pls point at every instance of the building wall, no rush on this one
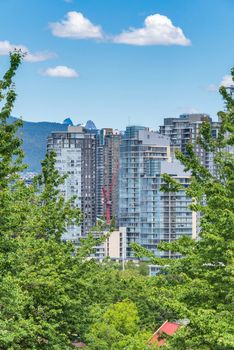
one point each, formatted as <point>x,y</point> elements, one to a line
<point>114,246</point>
<point>76,157</point>
<point>108,148</point>
<point>178,219</point>
<point>149,215</point>
<point>141,153</point>
<point>186,129</point>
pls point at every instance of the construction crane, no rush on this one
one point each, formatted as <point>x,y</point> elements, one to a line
<point>107,194</point>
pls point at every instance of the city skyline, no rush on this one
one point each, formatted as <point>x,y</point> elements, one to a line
<point>132,63</point>
<point>118,176</point>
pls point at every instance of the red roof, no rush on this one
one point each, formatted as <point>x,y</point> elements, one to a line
<point>168,328</point>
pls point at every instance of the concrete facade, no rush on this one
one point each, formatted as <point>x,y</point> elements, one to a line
<point>149,215</point>
<point>108,153</point>
<point>185,129</point>
<point>76,157</point>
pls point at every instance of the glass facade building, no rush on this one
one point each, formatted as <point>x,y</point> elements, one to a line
<point>186,129</point>
<point>107,160</point>
<point>76,156</point>
<point>149,215</point>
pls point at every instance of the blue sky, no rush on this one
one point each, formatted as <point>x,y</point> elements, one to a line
<point>119,62</point>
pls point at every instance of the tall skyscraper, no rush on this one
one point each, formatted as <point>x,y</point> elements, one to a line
<point>119,176</point>
<point>76,156</point>
<point>149,215</point>
<point>185,129</point>
<point>176,219</point>
<point>108,151</point>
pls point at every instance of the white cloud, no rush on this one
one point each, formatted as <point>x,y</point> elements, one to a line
<point>76,26</point>
<point>157,30</point>
<point>6,47</point>
<point>227,81</point>
<point>61,72</point>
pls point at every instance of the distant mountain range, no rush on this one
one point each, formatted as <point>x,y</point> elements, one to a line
<point>34,137</point>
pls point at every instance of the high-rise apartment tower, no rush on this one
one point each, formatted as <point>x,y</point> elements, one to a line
<point>76,156</point>
<point>149,215</point>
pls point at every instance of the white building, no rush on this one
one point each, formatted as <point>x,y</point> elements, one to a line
<point>76,156</point>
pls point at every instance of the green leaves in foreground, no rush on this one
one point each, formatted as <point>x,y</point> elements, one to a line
<point>118,328</point>
<point>199,286</point>
<point>50,295</point>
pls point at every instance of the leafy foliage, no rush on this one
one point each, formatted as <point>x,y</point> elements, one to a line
<point>118,328</point>
<point>10,153</point>
<point>48,289</point>
<point>199,286</point>
<point>41,276</point>
<point>51,294</point>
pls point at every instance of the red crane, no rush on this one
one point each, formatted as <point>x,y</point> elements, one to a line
<point>107,192</point>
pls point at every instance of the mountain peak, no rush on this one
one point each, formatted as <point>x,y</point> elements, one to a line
<point>68,121</point>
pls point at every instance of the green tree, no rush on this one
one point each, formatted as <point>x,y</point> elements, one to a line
<point>44,283</point>
<point>118,328</point>
<point>141,267</point>
<point>199,286</point>
<point>111,286</point>
<point>11,154</point>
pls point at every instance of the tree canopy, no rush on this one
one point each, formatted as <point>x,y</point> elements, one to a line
<point>52,295</point>
<point>48,289</point>
<point>118,328</point>
<point>199,286</point>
